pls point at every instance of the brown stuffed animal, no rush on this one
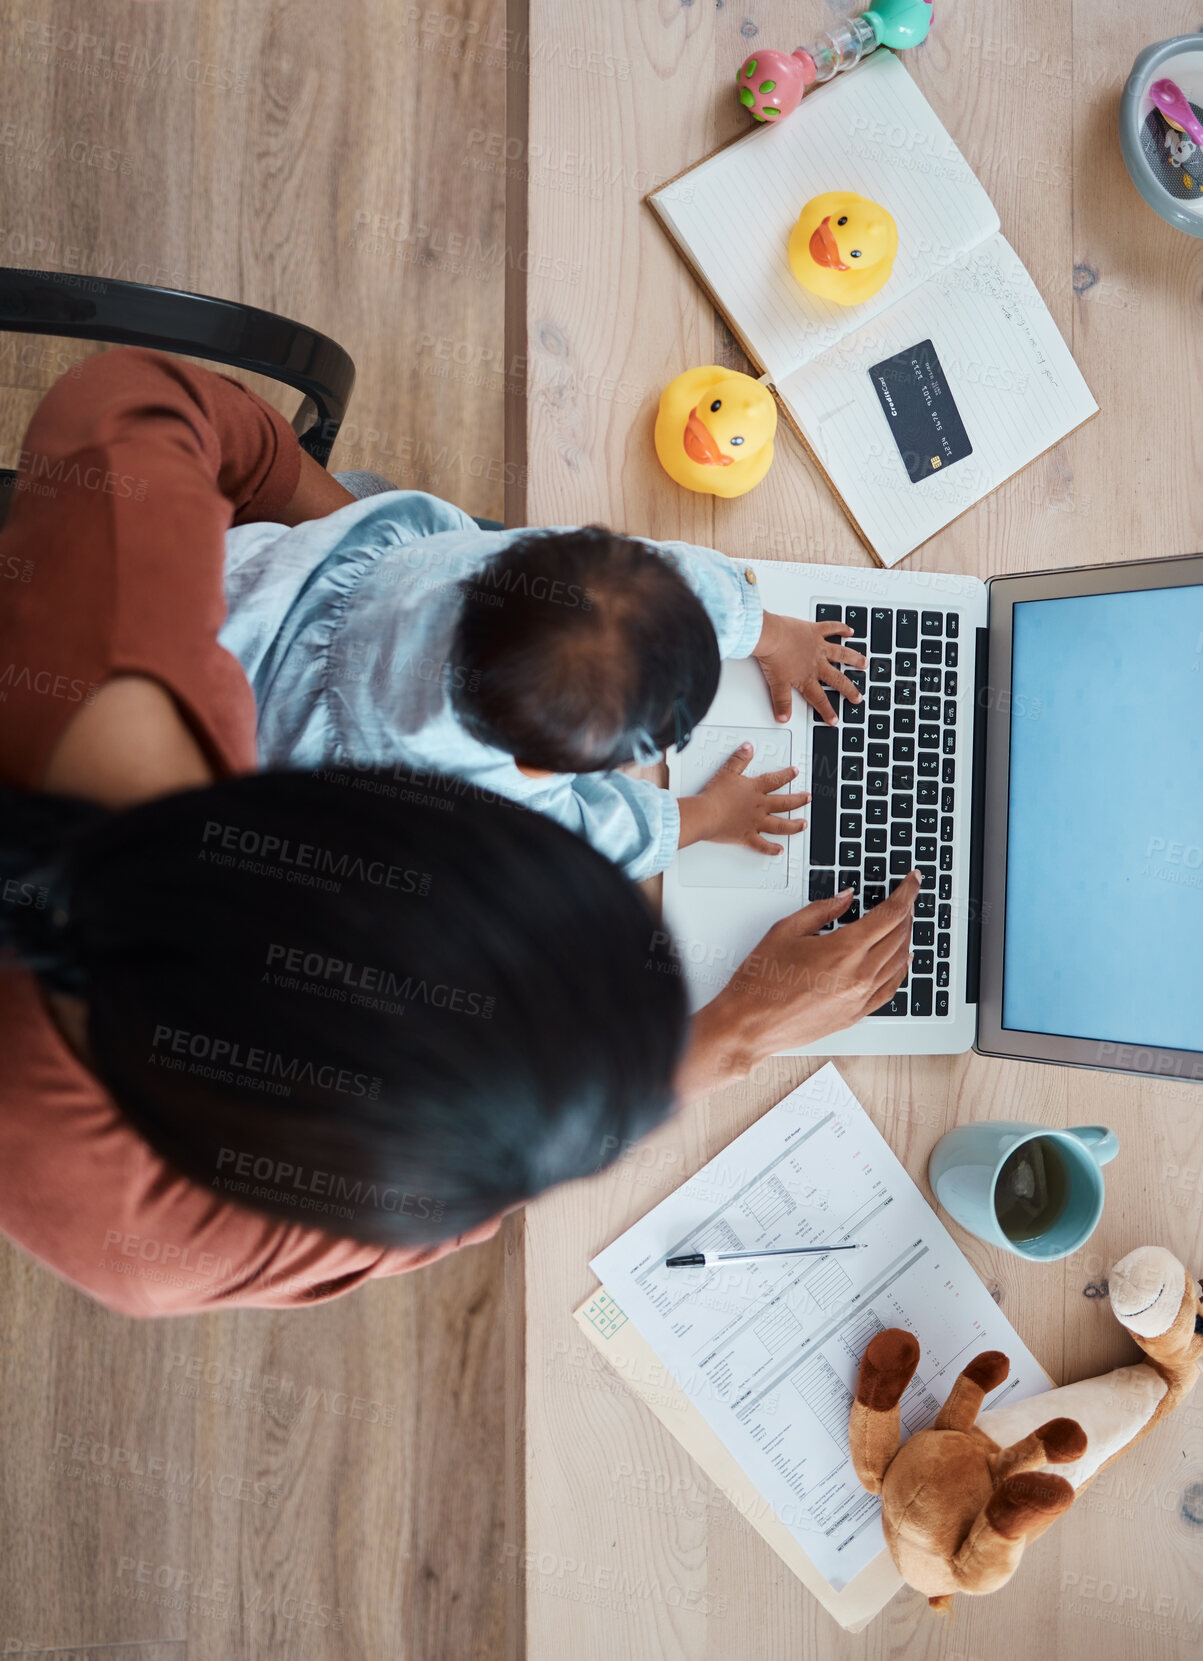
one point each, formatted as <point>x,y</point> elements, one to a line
<point>961,1500</point>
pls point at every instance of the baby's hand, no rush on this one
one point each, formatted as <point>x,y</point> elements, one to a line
<point>794,653</point>
<point>735,808</point>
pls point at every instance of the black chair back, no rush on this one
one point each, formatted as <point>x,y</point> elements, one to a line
<point>195,325</point>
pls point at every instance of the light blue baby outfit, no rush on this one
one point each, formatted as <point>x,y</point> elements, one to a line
<point>345,627</point>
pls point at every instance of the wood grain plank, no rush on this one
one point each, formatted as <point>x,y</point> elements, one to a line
<point>330,1482</point>
<point>1030,91</point>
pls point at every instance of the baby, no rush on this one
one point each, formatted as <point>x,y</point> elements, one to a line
<point>535,664</point>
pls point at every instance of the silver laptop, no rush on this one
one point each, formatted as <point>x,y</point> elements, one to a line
<point>1034,745</point>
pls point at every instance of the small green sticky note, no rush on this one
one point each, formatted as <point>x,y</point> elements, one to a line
<point>604,1314</point>
<point>768,86</point>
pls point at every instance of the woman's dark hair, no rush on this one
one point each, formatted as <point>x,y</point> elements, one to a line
<point>579,650</point>
<point>385,1017</point>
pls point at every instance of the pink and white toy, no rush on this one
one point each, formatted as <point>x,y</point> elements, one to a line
<point>771,84</point>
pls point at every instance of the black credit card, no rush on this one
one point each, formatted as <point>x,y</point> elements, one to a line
<point>912,389</point>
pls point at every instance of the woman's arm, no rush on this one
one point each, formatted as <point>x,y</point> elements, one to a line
<point>317,494</point>
<point>132,469</point>
<point>129,744</point>
<point>799,986</point>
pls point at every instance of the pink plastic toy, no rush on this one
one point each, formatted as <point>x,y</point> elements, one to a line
<point>771,84</point>
<point>1169,98</point>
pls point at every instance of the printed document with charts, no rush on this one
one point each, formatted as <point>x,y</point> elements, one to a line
<point>765,1354</point>
<point>920,401</point>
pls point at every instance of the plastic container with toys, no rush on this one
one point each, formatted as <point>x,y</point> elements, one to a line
<point>1161,129</point>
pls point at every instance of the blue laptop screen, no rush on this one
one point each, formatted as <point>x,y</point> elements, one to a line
<point>1104,923</point>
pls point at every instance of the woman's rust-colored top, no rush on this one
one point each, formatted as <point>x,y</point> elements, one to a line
<point>133,468</point>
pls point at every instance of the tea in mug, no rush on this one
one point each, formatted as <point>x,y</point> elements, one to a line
<point>1030,1193</point>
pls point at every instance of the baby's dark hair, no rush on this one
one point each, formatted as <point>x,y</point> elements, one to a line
<point>580,650</point>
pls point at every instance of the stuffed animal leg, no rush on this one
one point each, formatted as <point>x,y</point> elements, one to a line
<point>1158,1301</point>
<point>957,1510</point>
<point>961,1500</point>
<point>875,1430</point>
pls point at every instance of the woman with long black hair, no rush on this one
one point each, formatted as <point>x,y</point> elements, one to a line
<point>266,1035</point>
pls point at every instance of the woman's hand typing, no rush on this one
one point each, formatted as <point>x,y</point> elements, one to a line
<point>799,986</point>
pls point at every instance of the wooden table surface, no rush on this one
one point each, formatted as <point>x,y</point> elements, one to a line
<point>617,1546</point>
<point>334,1476</point>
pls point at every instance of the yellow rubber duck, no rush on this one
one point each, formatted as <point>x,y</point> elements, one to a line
<point>843,247</point>
<point>714,431</point>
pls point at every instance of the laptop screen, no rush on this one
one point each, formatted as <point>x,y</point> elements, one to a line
<point>1104,908</point>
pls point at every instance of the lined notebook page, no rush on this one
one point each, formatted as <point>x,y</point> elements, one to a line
<point>1016,387</point>
<point>870,131</point>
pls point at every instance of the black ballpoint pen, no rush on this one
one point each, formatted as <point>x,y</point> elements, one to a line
<point>704,1260</point>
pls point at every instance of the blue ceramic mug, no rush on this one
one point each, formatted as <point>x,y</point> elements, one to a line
<point>966,1163</point>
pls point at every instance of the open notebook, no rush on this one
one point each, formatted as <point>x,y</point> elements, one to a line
<point>920,401</point>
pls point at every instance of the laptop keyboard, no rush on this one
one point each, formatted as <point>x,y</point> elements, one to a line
<point>884,784</point>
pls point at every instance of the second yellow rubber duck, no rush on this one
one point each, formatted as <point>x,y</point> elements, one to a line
<point>843,247</point>
<point>714,430</point>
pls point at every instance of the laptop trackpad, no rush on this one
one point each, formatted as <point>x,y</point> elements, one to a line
<point>718,864</point>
